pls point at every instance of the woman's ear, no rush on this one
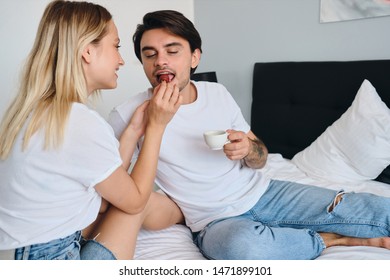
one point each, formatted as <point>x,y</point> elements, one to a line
<point>195,58</point>
<point>87,54</point>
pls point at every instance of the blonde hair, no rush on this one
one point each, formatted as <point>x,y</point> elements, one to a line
<point>53,77</point>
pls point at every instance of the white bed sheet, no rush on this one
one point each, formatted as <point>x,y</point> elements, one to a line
<point>175,242</point>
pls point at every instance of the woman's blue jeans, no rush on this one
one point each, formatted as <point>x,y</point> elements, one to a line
<point>67,248</point>
<point>72,247</point>
<point>285,222</point>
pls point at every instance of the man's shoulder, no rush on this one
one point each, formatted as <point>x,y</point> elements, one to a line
<point>212,90</point>
<point>121,114</point>
<point>128,106</point>
<point>206,84</point>
<point>206,87</point>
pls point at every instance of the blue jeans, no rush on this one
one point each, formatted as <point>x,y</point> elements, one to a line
<point>71,247</point>
<point>67,248</point>
<point>285,222</point>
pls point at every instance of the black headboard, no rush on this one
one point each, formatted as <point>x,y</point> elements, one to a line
<point>294,102</point>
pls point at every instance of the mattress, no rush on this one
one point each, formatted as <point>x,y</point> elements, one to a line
<point>175,242</point>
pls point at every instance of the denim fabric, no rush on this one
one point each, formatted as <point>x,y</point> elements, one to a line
<point>93,250</point>
<point>285,222</point>
<point>72,247</point>
<point>67,248</point>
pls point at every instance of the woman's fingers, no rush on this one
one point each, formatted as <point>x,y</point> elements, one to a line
<point>165,102</point>
<point>167,95</point>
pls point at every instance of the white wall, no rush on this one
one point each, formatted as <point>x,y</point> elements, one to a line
<point>18,24</point>
<point>238,33</point>
<point>235,33</point>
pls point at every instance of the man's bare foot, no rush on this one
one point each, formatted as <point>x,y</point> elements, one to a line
<point>332,239</point>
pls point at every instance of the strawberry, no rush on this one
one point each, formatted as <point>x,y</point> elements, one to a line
<point>164,77</point>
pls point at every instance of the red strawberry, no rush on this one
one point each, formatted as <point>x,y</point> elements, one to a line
<point>164,77</point>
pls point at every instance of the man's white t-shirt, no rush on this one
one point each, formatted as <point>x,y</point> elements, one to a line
<point>204,183</point>
<point>50,194</point>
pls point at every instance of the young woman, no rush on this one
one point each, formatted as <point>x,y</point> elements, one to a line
<point>60,161</point>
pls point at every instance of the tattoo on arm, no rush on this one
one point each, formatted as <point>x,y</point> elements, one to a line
<point>257,155</point>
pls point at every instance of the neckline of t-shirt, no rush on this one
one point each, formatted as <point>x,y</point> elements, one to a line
<point>198,101</point>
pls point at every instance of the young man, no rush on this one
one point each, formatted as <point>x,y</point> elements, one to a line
<point>233,210</point>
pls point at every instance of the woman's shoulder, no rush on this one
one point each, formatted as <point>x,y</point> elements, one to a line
<point>83,118</point>
<point>84,113</point>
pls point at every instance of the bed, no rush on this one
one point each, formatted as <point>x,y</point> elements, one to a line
<point>324,123</point>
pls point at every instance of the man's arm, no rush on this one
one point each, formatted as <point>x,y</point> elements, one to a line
<point>258,153</point>
<point>247,148</point>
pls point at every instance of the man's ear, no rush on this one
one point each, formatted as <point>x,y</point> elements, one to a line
<point>86,55</point>
<point>195,58</point>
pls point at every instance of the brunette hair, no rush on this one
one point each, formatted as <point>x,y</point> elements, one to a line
<point>174,22</point>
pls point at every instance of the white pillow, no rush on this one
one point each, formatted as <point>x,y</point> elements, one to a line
<point>355,147</point>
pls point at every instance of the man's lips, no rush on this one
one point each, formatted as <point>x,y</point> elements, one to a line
<point>167,77</point>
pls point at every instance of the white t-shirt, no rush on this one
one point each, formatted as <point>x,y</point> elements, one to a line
<point>50,194</point>
<point>204,183</point>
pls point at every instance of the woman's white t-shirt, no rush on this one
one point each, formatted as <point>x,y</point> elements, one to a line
<point>204,183</point>
<point>50,194</point>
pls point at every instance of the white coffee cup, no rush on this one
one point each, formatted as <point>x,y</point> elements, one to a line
<point>216,139</point>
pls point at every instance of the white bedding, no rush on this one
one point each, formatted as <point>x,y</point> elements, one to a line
<point>175,243</point>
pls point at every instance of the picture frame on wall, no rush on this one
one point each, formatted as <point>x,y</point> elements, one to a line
<point>341,10</point>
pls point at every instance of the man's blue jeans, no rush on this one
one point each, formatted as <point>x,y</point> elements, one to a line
<point>285,222</point>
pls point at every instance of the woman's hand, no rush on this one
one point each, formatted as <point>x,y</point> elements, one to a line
<point>138,121</point>
<point>164,104</point>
